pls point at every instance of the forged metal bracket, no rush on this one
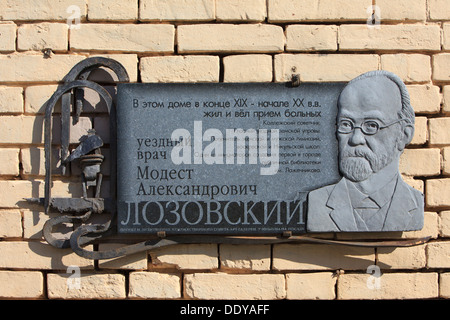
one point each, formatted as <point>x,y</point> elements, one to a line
<point>48,126</point>
<point>82,71</point>
<point>79,210</point>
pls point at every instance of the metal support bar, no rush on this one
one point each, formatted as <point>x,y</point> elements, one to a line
<point>47,230</point>
<point>296,80</point>
<point>77,236</point>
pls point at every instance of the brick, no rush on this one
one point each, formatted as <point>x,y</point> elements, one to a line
<point>10,223</point>
<point>101,10</point>
<point>19,129</point>
<point>420,162</point>
<point>402,10</point>
<point>438,254</point>
<point>136,261</point>
<point>40,9</point>
<point>248,68</point>
<point>446,160</point>
<point>446,99</point>
<point>323,67</point>
<point>245,257</point>
<point>128,61</point>
<point>311,286</point>
<point>44,35</point>
<point>29,129</point>
<point>317,10</point>
<point>11,100</point>
<point>180,69</point>
<point>390,37</point>
<point>9,161</point>
<point>64,189</point>
<point>92,286</point>
<point>437,191</point>
<point>39,255</point>
<point>410,68</point>
<point>232,286</point>
<point>444,223</point>
<point>13,192</point>
<point>36,98</point>
<point>7,36</point>
<point>33,67</point>
<point>392,286</point>
<point>124,37</point>
<point>444,285</point>
<point>438,10</point>
<point>439,133</point>
<point>80,129</point>
<point>238,10</point>
<point>202,256</point>
<point>420,131</point>
<point>26,129</point>
<point>446,36</point>
<point>154,285</point>
<point>33,223</point>
<point>425,98</point>
<point>222,38</point>
<point>176,10</point>
<point>430,228</point>
<point>414,183</point>
<point>402,258</point>
<point>441,67</point>
<point>21,284</point>
<point>311,38</point>
<point>321,257</point>
<point>33,161</point>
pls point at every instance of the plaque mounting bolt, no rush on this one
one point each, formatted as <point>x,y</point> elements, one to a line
<point>47,53</point>
<point>287,234</point>
<point>295,81</point>
<point>161,234</point>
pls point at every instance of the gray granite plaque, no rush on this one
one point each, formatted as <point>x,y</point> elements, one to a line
<point>223,158</point>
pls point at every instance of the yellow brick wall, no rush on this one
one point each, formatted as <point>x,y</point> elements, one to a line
<point>222,41</point>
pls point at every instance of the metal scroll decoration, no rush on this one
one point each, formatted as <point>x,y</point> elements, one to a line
<point>79,210</point>
<point>89,151</point>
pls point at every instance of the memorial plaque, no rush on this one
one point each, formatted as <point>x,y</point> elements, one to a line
<point>238,159</point>
<point>223,158</point>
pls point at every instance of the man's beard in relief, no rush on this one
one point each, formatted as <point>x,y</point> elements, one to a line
<point>359,163</point>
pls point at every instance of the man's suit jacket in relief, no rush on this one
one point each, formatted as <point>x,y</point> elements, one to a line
<point>394,207</point>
